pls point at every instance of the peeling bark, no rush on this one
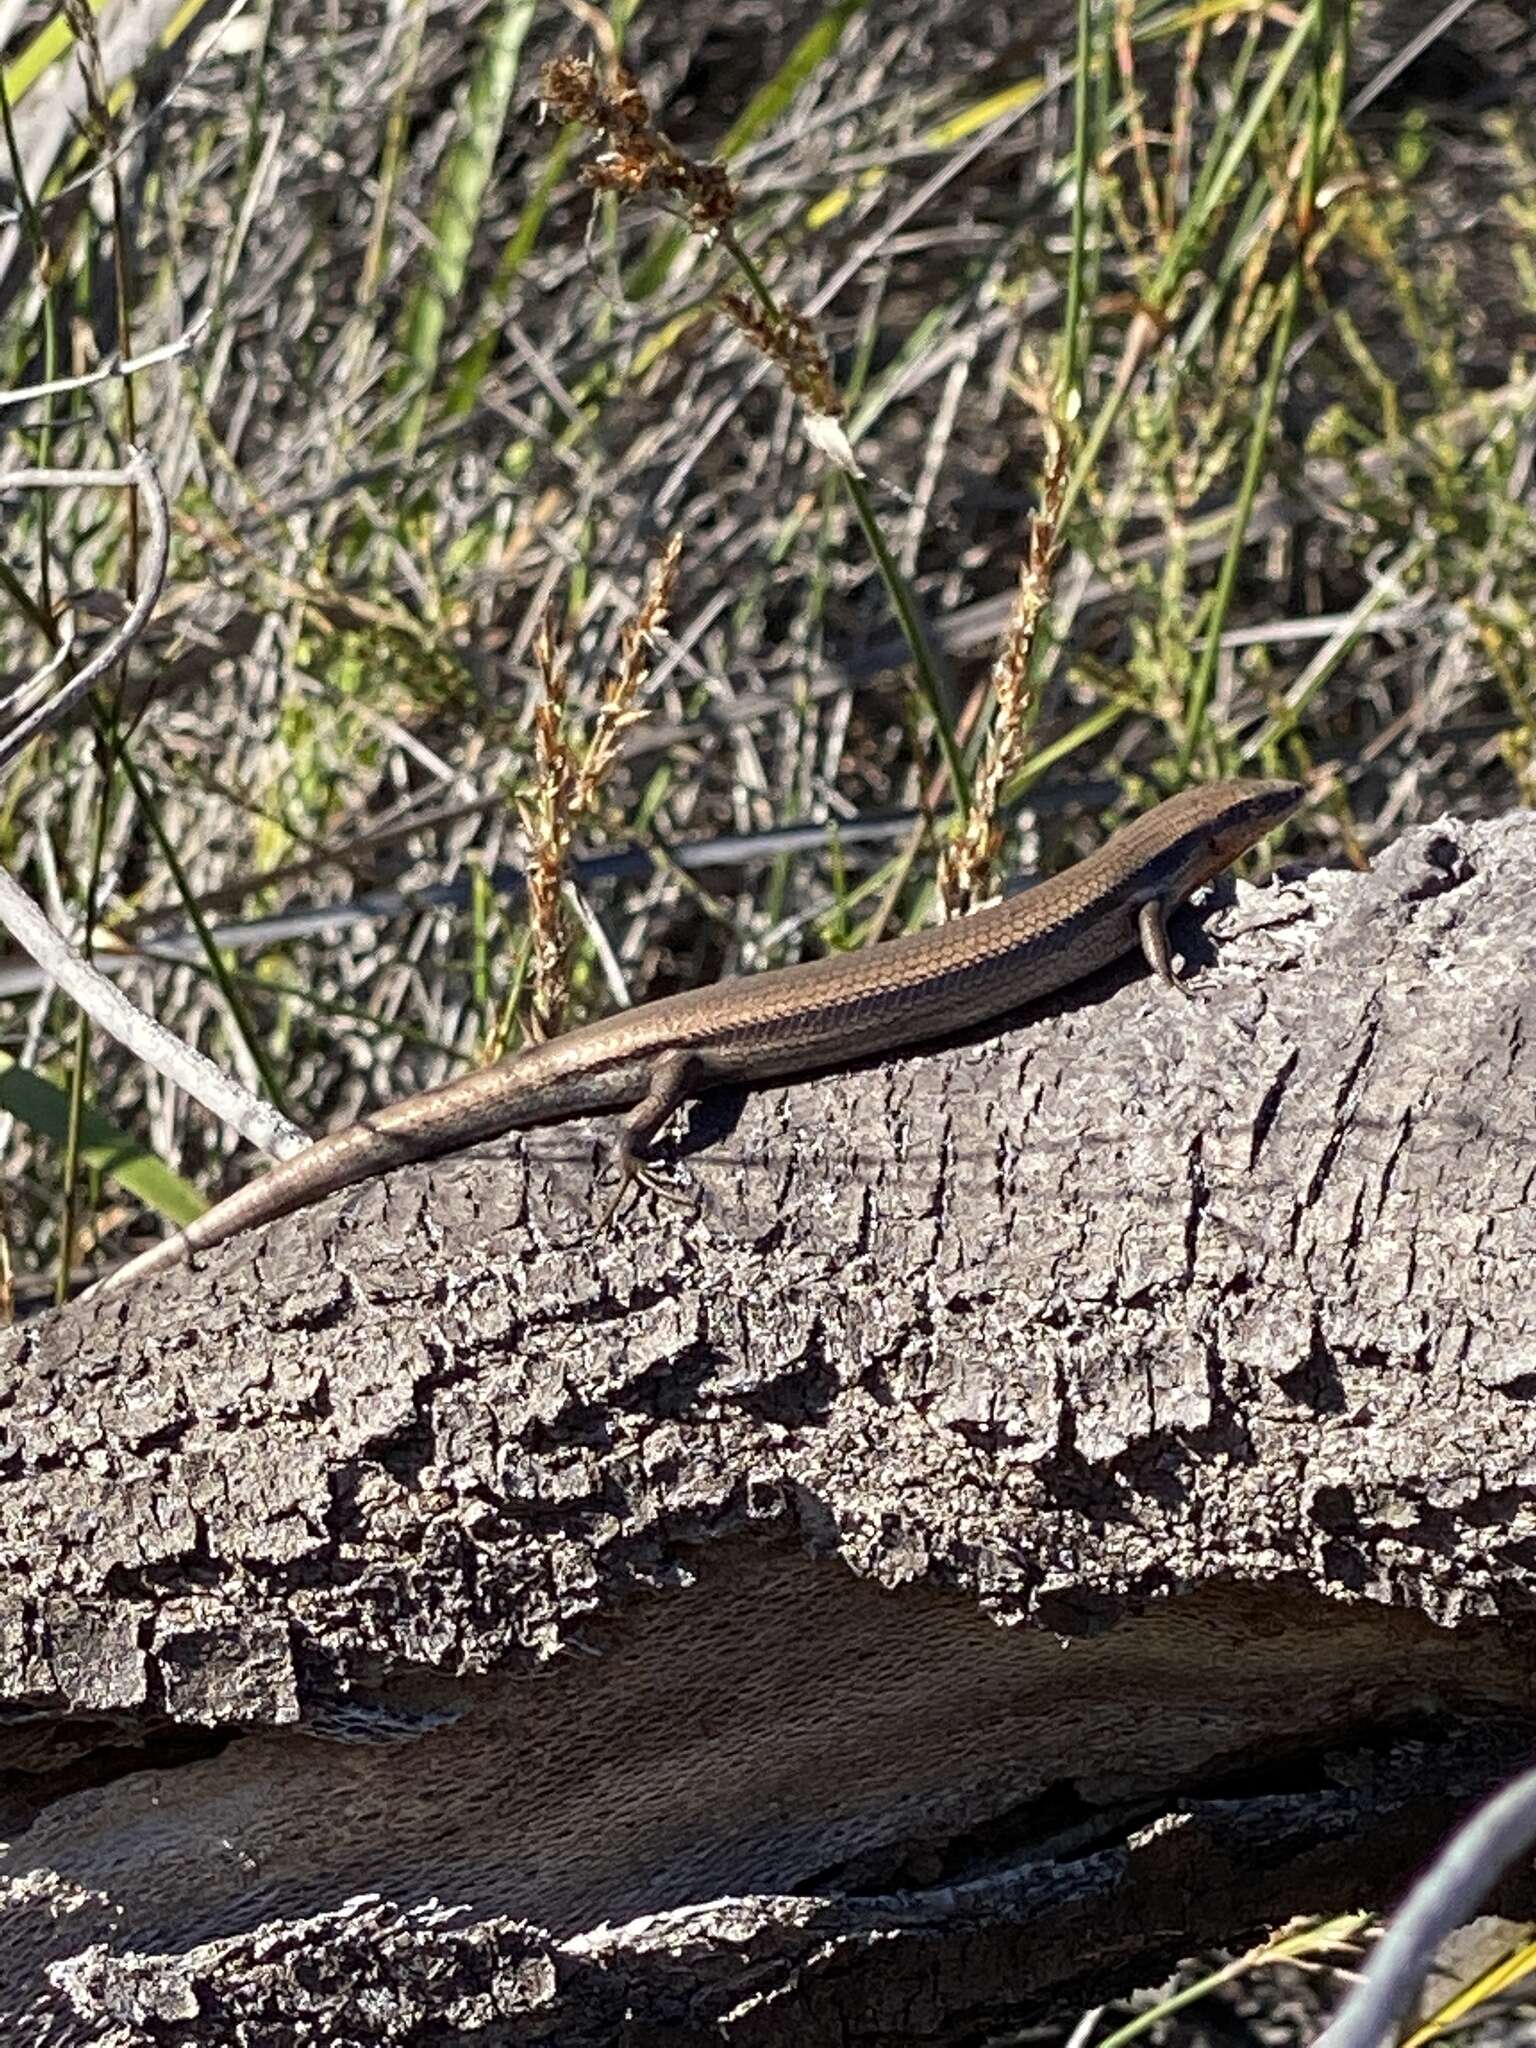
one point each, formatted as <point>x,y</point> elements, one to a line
<point>1062,1499</point>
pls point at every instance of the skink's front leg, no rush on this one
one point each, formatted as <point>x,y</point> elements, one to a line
<point>674,1077</point>
<point>1154,943</point>
<point>1154,939</point>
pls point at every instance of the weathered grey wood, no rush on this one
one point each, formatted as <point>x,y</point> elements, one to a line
<point>1077,1472</point>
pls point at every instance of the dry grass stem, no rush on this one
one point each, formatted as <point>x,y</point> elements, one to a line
<point>967,868</point>
<point>549,820</point>
<point>569,779</point>
<point>639,159</point>
<point>622,686</point>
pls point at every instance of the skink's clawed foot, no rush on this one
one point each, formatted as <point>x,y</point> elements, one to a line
<point>673,1076</point>
<point>635,1174</point>
<point>611,1208</point>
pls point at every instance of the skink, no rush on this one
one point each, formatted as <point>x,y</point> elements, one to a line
<point>791,1021</point>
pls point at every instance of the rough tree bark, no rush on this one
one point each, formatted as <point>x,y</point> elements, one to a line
<point>1067,1498</point>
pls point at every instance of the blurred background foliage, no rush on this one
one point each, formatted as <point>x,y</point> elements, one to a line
<point>1268,275</point>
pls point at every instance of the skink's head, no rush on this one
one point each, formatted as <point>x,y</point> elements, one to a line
<point>1201,831</point>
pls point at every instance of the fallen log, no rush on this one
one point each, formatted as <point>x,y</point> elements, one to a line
<point>1059,1501</point>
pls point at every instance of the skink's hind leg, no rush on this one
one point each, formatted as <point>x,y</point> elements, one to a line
<point>675,1076</point>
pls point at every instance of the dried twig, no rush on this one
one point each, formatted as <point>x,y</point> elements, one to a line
<point>112,366</point>
<point>139,471</point>
<point>97,997</point>
<point>1445,1897</point>
<point>107,1006</point>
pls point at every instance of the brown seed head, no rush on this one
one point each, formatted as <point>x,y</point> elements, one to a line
<point>638,158</point>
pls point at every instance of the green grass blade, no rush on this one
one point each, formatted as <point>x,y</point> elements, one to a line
<point>777,96</point>
<point>49,44</point>
<point>455,215</point>
<point>1215,186</point>
<point>104,1148</point>
<point>474,366</point>
<point>814,48</point>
